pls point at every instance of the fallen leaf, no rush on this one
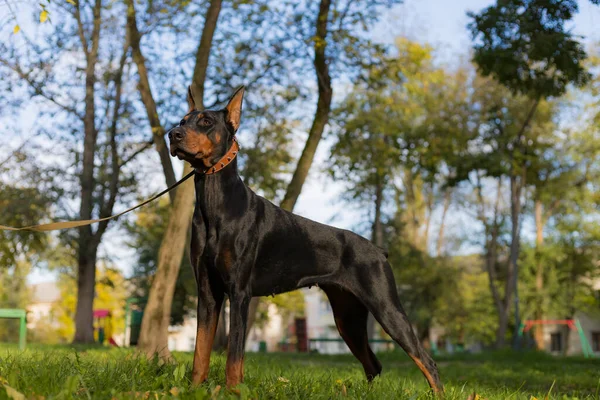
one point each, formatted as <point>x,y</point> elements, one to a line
<point>16,29</point>
<point>13,393</point>
<point>43,16</point>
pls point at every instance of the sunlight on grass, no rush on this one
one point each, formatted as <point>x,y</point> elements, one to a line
<point>64,373</point>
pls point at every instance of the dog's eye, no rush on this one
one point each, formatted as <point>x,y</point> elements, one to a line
<point>204,122</point>
<point>182,122</point>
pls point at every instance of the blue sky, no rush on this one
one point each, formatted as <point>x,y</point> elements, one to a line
<point>440,23</point>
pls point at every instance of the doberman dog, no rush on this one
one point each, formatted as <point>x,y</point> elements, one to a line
<point>243,246</point>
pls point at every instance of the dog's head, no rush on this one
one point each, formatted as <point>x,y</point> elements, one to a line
<point>203,137</point>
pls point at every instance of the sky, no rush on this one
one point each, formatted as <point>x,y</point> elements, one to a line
<point>441,23</point>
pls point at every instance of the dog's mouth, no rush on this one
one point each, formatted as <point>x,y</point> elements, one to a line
<point>181,153</point>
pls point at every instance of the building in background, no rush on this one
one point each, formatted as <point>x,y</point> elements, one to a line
<point>39,311</point>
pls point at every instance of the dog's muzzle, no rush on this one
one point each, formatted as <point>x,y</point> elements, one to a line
<point>176,135</point>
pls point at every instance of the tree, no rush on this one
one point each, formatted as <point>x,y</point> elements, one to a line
<point>525,46</point>
<point>89,109</point>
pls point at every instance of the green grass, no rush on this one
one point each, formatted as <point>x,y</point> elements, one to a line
<point>64,373</point>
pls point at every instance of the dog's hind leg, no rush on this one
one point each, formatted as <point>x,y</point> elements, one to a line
<point>381,298</point>
<point>351,320</point>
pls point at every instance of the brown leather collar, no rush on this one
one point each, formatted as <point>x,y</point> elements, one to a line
<point>224,161</point>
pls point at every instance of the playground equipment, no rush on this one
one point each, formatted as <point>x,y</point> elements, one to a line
<point>14,313</point>
<point>103,327</point>
<point>572,324</point>
<point>133,320</point>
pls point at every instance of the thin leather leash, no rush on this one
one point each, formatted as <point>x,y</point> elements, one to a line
<point>54,226</point>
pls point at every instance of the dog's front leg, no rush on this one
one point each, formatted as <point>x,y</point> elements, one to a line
<point>210,299</point>
<point>239,303</point>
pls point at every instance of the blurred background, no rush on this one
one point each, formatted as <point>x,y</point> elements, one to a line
<point>463,137</point>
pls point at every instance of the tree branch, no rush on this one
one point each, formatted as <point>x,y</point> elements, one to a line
<point>38,88</point>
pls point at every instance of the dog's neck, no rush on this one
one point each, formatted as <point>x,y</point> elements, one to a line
<point>220,180</point>
<point>223,161</point>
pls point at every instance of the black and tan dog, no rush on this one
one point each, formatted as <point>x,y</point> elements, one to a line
<point>245,246</point>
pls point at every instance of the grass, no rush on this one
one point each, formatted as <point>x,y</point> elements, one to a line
<point>65,373</point>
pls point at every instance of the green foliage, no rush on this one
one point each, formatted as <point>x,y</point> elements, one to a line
<point>287,305</point>
<point>570,271</point>
<point>21,206</point>
<point>497,143</point>
<point>407,120</point>
<point>465,306</point>
<point>55,372</point>
<point>525,45</point>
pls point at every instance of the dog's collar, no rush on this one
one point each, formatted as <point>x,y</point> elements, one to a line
<point>224,161</point>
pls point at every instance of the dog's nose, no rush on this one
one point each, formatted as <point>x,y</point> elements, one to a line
<point>176,135</point>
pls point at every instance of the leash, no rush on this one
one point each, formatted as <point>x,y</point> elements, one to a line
<point>54,226</point>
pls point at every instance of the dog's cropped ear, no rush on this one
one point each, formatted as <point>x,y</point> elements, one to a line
<point>234,108</point>
<point>190,100</point>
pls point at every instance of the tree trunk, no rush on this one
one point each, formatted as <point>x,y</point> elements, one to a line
<point>492,233</point>
<point>321,114</point>
<point>539,274</point>
<point>377,232</point>
<point>158,132</point>
<point>157,314</point>
<point>440,242</point>
<point>430,197</point>
<point>86,268</point>
<point>516,186</point>
<point>252,309</point>
<point>155,323</point>
<point>377,239</point>
<point>86,282</point>
<point>220,341</point>
<point>502,328</point>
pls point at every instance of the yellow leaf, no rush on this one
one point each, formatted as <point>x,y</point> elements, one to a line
<point>72,2</point>
<point>13,393</point>
<point>16,29</point>
<point>43,16</point>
